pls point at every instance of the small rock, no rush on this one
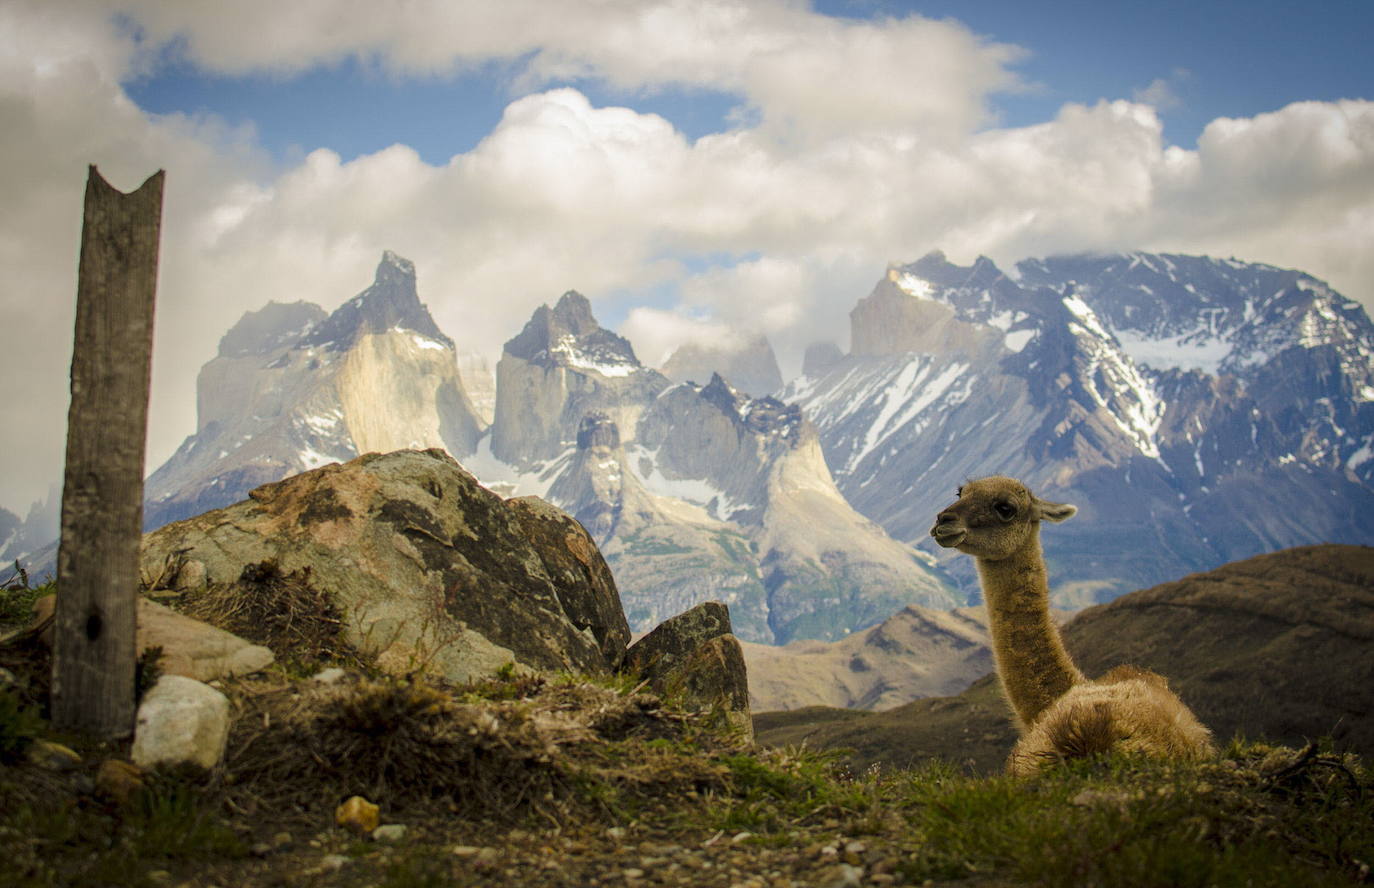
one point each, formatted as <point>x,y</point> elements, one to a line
<point>331,863</point>
<point>633,873</point>
<point>841,875</point>
<point>7,679</point>
<point>181,720</point>
<point>118,781</point>
<point>52,756</point>
<point>465,850</point>
<point>282,841</point>
<point>616,833</point>
<point>332,675</point>
<point>741,837</point>
<point>358,815</point>
<point>389,832</point>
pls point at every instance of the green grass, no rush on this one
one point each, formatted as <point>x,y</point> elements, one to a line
<point>16,603</point>
<point>19,725</point>
<point>174,824</point>
<point>1125,822</point>
<point>1256,816</point>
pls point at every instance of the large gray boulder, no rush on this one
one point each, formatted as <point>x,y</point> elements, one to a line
<point>431,571</point>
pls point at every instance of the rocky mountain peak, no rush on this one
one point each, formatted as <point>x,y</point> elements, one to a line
<point>749,364</point>
<point>772,418</point>
<point>724,396</point>
<point>269,328</point>
<point>765,417</point>
<point>568,335</point>
<point>391,302</point>
<point>573,312</point>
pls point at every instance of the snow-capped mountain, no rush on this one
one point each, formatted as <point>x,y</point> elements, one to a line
<point>693,492</point>
<point>750,365</point>
<point>22,539</point>
<point>293,388</point>
<point>1197,411</point>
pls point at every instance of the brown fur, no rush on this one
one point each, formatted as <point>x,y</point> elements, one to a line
<point>1061,713</point>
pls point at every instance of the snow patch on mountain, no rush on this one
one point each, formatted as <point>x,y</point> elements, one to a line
<point>508,480</point>
<point>606,362</point>
<point>905,397</point>
<point>698,491</point>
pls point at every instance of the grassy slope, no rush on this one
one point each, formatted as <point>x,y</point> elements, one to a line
<point>659,796</point>
<point>565,781</point>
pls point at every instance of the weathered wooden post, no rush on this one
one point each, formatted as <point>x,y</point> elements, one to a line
<point>102,496</point>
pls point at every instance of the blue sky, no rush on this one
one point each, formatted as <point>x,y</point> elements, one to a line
<point>700,170</point>
<point>1211,59</point>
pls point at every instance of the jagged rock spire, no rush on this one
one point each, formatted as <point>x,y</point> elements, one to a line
<point>391,301</point>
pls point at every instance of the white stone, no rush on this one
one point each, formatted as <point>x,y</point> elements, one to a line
<point>389,832</point>
<point>181,720</point>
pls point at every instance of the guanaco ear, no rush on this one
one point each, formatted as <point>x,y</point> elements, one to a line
<point>1049,511</point>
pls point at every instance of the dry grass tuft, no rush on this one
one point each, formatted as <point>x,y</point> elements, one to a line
<point>406,744</point>
<point>285,612</point>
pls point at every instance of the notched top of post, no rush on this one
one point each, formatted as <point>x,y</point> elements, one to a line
<point>151,187</point>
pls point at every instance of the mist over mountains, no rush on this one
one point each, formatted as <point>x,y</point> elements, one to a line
<point>1196,410</point>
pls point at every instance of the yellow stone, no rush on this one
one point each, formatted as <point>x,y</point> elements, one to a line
<point>357,814</point>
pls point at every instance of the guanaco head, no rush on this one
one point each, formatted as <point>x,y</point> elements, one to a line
<point>994,518</point>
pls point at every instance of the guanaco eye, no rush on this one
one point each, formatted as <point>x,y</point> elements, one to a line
<point>1005,510</point>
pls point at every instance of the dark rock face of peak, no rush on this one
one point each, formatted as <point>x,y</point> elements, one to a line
<point>597,430</point>
<point>568,335</point>
<point>769,416</point>
<point>722,395</point>
<point>391,301</point>
<point>269,328</point>
<point>765,417</point>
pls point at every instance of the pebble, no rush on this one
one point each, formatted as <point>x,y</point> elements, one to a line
<point>119,781</point>
<point>841,875</point>
<point>357,814</point>
<point>52,756</point>
<point>389,832</point>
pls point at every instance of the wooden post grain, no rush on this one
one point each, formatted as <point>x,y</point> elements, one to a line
<point>102,497</point>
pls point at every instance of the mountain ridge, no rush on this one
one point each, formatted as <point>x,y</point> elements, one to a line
<point>959,372</point>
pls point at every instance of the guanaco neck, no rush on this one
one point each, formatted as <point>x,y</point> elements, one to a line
<point>1031,660</point>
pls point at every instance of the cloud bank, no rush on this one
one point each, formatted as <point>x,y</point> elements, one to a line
<point>855,144</point>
